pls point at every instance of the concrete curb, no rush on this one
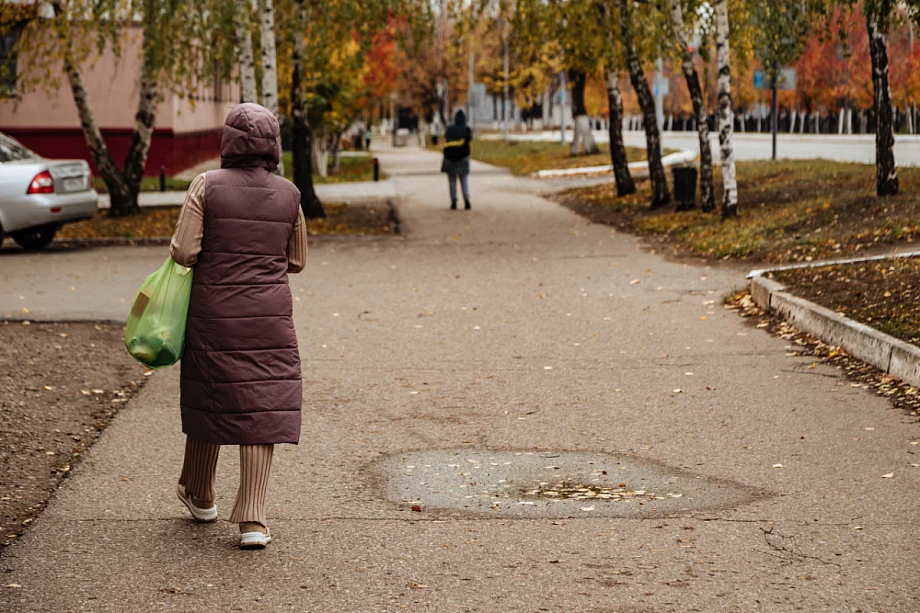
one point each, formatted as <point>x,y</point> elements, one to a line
<point>639,170</point>
<point>863,342</point>
<point>355,192</point>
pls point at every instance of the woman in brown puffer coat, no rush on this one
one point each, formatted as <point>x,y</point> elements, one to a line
<point>243,230</point>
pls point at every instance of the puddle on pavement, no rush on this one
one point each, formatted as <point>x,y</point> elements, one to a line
<point>521,484</point>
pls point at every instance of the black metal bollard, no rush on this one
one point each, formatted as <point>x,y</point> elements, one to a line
<point>162,178</point>
<point>684,180</point>
<point>376,169</point>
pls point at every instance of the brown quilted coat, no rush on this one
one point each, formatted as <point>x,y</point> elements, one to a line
<point>241,381</point>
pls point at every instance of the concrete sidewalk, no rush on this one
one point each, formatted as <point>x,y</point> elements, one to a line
<point>431,362</point>
<point>357,191</point>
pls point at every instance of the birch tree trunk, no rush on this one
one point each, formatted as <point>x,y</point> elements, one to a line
<point>244,44</point>
<point>320,151</point>
<point>269,64</point>
<point>136,160</point>
<point>726,116</point>
<point>582,136</point>
<point>624,181</point>
<point>886,172</point>
<point>337,150</point>
<point>661,196</point>
<point>123,200</point>
<point>707,192</point>
<point>303,162</point>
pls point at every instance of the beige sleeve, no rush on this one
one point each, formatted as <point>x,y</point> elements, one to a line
<point>186,241</point>
<point>297,245</point>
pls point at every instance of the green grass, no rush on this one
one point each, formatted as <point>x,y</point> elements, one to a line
<point>351,169</point>
<point>790,211</point>
<point>525,157</point>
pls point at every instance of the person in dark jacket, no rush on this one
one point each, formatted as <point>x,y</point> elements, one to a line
<point>243,230</point>
<point>457,158</point>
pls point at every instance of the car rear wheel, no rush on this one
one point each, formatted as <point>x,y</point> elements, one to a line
<point>35,238</point>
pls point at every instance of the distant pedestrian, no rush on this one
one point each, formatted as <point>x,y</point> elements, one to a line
<point>368,136</point>
<point>457,158</point>
<point>243,230</point>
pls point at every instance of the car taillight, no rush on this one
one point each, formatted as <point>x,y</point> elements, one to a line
<point>41,184</point>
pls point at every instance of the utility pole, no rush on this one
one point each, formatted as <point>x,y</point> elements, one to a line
<point>562,108</point>
<point>912,109</point>
<point>505,91</point>
<point>659,94</point>
<point>774,119</point>
<point>469,97</point>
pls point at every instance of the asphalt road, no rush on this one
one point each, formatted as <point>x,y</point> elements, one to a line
<point>752,146</point>
<point>516,328</point>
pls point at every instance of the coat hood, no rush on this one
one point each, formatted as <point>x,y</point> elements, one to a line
<point>460,118</point>
<point>251,138</point>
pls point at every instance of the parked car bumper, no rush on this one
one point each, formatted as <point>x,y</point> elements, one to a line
<point>29,211</point>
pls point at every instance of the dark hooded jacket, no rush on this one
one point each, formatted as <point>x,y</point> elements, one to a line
<point>241,381</point>
<point>457,146</point>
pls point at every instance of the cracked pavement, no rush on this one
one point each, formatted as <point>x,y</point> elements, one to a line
<point>517,326</point>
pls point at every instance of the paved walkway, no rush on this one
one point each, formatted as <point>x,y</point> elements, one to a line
<point>356,191</point>
<point>515,327</point>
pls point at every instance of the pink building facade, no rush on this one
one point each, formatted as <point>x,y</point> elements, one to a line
<point>185,133</point>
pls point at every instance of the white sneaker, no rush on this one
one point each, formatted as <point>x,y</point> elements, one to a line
<point>203,515</point>
<point>255,540</point>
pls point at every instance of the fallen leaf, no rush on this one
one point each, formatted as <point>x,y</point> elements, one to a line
<point>888,476</point>
<point>777,466</point>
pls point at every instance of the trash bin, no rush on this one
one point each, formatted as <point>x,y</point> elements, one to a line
<point>684,181</point>
<point>434,139</point>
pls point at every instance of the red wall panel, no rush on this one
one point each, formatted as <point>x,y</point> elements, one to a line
<point>176,152</point>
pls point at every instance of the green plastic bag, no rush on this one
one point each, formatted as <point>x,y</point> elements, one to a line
<point>155,335</point>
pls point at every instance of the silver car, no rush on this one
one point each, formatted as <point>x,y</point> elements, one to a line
<point>38,195</point>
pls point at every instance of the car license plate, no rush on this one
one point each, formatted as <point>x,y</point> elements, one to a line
<point>74,184</point>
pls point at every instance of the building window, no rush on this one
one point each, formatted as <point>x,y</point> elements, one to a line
<point>8,63</point>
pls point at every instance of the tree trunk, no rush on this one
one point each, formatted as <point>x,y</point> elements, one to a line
<point>136,160</point>
<point>303,162</point>
<point>244,44</point>
<point>707,192</point>
<point>886,172</point>
<point>624,181</point>
<point>726,127</point>
<point>582,137</point>
<point>337,150</point>
<point>661,196</point>
<point>122,200</point>
<point>320,152</point>
<point>269,64</point>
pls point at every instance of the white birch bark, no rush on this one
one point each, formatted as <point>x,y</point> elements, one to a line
<point>726,121</point>
<point>707,191</point>
<point>269,64</point>
<point>123,200</point>
<point>319,149</point>
<point>144,120</point>
<point>244,44</point>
